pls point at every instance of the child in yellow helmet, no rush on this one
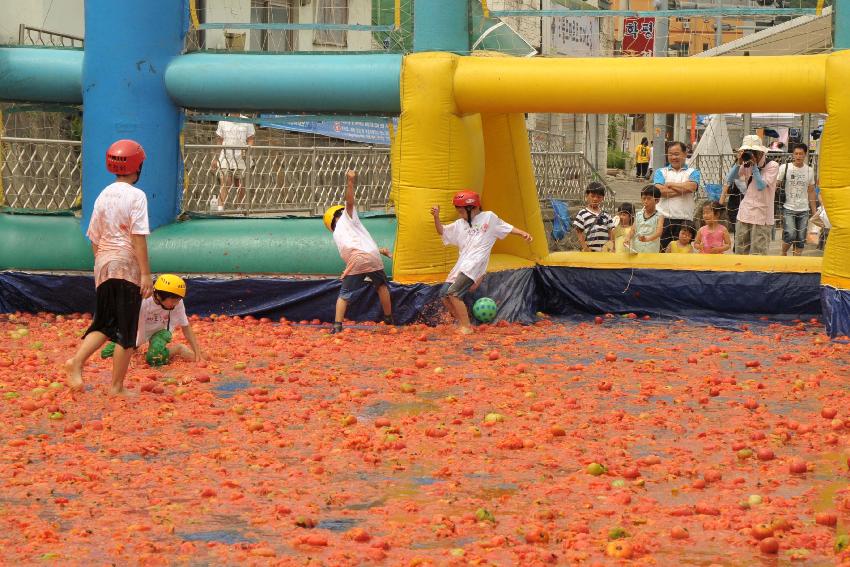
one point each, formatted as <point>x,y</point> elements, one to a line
<point>159,316</point>
<point>361,255</point>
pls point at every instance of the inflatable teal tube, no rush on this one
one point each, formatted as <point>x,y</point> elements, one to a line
<point>33,74</point>
<point>303,83</point>
<point>204,246</point>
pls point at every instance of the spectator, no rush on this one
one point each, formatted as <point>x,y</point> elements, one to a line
<point>642,159</point>
<point>593,225</point>
<point>648,222</point>
<point>624,230</point>
<point>233,136</point>
<point>755,177</point>
<point>683,244</point>
<point>712,238</point>
<point>800,202</point>
<point>677,183</point>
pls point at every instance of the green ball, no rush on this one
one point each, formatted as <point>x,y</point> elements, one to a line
<point>485,309</point>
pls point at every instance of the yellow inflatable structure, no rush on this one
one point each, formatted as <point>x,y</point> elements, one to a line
<point>462,127</point>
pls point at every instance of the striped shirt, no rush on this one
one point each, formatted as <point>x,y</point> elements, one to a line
<point>595,227</point>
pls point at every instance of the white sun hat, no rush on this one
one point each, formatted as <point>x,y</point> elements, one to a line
<point>753,143</point>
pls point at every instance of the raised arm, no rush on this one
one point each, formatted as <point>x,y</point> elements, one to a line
<point>435,212</point>
<point>350,180</point>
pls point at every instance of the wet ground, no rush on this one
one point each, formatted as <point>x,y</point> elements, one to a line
<point>416,446</point>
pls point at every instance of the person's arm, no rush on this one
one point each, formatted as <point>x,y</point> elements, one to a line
<point>193,342</point>
<point>582,241</point>
<point>727,242</point>
<point>698,241</point>
<point>386,252</point>
<point>813,196</point>
<point>435,212</point>
<point>350,179</point>
<point>761,185</point>
<point>658,230</point>
<point>682,188</point>
<point>521,233</point>
<point>94,249</point>
<point>733,173</point>
<point>140,247</point>
<point>612,240</point>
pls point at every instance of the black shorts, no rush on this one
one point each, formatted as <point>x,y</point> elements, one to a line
<point>117,312</point>
<point>457,288</point>
<point>350,284</point>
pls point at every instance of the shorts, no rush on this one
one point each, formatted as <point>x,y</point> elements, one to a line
<point>351,283</point>
<point>117,312</point>
<point>457,288</point>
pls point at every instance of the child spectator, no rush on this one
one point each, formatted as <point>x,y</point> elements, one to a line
<point>683,244</point>
<point>474,233</point>
<point>593,225</point>
<point>117,230</point>
<point>360,253</point>
<point>160,314</point>
<point>649,223</point>
<point>713,238</point>
<point>623,232</point>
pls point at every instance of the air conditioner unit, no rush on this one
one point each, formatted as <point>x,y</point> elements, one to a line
<point>686,25</point>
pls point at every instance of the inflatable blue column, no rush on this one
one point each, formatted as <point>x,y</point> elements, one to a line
<point>441,25</point>
<point>128,46</point>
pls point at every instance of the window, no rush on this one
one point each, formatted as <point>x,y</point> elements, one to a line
<point>331,12</point>
<point>272,12</point>
<point>638,122</point>
<point>680,47</point>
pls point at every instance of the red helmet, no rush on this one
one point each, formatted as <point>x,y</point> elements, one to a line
<point>125,157</point>
<point>467,199</point>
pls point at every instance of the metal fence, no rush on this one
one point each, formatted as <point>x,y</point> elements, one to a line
<point>28,35</point>
<point>715,167</point>
<point>45,175</point>
<point>40,174</point>
<point>270,179</point>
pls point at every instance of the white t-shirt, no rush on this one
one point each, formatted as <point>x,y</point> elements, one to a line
<point>234,135</point>
<point>682,206</point>
<point>356,246</point>
<point>120,211</point>
<point>474,242</point>
<point>796,186</point>
<point>153,318</point>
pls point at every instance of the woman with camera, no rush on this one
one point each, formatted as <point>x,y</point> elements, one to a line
<point>755,177</point>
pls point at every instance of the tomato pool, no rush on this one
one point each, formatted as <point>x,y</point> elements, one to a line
<point>586,441</point>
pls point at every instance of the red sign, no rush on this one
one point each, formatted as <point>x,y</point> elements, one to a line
<point>638,37</point>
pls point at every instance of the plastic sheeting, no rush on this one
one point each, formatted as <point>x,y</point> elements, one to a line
<point>679,294</point>
<point>836,306</point>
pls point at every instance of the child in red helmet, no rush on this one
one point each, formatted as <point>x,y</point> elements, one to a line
<point>118,232</point>
<point>474,233</point>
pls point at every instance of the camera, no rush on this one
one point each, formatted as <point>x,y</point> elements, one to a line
<point>747,156</point>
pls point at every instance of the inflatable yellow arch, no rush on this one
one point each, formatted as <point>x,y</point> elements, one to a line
<point>462,126</point>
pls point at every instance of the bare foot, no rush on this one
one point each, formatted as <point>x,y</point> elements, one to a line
<point>121,391</point>
<point>465,330</point>
<point>75,375</point>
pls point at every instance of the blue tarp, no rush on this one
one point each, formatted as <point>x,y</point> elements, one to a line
<point>836,307</point>
<point>717,298</point>
<point>679,294</point>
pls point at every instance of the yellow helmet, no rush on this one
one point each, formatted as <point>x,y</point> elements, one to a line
<point>170,284</point>
<point>329,215</point>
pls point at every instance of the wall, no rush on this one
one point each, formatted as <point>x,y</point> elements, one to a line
<point>63,16</point>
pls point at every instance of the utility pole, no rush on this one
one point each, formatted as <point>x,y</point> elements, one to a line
<point>718,31</point>
<point>659,154</point>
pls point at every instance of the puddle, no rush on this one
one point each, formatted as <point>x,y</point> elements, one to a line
<point>384,408</point>
<point>230,388</point>
<point>228,537</point>
<point>338,525</point>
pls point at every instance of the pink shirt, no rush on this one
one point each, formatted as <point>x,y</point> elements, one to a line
<point>712,238</point>
<point>757,206</point>
<point>120,211</point>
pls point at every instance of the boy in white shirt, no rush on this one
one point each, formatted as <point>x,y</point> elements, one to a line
<point>360,253</point>
<point>118,232</point>
<point>800,201</point>
<point>159,316</point>
<point>474,233</point>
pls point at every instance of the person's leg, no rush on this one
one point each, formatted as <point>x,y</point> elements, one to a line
<point>760,239</point>
<point>386,303</point>
<point>240,190</point>
<point>461,314</point>
<point>120,364</point>
<point>74,365</point>
<point>339,314</point>
<point>450,307</point>
<point>742,238</point>
<point>789,228</point>
<point>226,182</point>
<point>667,235</point>
<point>800,233</point>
